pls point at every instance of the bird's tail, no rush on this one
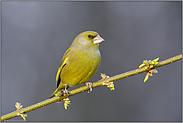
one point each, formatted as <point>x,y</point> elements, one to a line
<point>56,91</point>
<point>60,87</point>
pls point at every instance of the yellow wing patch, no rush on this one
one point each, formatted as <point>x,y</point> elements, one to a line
<point>63,63</point>
<point>60,68</point>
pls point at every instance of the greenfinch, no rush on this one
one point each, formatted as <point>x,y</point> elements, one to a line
<point>80,61</point>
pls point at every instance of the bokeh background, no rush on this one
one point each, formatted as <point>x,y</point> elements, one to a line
<point>35,36</point>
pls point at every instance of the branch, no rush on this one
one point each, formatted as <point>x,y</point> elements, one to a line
<point>84,88</point>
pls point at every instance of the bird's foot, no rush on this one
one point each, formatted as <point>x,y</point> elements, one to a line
<point>89,86</point>
<point>65,92</point>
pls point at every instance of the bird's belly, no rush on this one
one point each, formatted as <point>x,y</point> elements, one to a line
<point>79,71</point>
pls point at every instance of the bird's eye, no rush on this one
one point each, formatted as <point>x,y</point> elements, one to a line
<point>89,36</point>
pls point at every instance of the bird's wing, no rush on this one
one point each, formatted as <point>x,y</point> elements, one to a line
<point>62,64</point>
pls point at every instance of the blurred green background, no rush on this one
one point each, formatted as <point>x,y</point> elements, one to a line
<point>35,36</point>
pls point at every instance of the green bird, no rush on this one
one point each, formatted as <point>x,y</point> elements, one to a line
<point>80,61</point>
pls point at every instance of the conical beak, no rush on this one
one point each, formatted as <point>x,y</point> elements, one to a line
<point>97,39</point>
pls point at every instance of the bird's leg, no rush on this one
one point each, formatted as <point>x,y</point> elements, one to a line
<point>89,85</point>
<point>65,91</point>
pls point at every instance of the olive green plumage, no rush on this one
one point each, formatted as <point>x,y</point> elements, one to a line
<point>80,61</point>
